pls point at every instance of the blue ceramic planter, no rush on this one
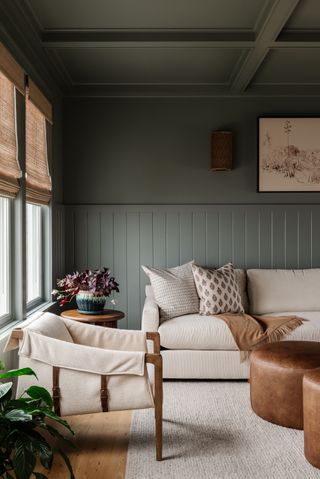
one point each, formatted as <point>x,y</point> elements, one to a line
<point>88,303</point>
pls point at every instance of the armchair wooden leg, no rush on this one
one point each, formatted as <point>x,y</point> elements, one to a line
<point>158,424</point>
<point>158,400</point>
<point>156,360</point>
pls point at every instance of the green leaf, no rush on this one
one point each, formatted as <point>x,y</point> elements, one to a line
<point>67,462</point>
<point>46,455</point>
<point>55,433</point>
<point>37,392</point>
<point>4,389</point>
<point>26,404</point>
<point>24,460</point>
<point>52,415</point>
<point>18,415</point>
<point>38,475</point>
<point>1,365</point>
<point>18,372</point>
<point>8,476</point>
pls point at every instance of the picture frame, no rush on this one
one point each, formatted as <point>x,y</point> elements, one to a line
<point>288,154</point>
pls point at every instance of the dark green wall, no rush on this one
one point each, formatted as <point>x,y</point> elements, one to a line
<point>157,150</point>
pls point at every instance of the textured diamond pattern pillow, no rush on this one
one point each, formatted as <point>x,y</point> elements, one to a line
<point>174,290</point>
<point>218,290</point>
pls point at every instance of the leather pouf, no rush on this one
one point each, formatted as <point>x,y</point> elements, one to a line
<point>311,416</point>
<point>276,374</point>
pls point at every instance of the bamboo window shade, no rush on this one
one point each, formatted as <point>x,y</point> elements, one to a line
<point>9,167</point>
<point>38,180</point>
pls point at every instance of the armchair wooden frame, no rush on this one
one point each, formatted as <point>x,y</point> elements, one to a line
<point>154,358</point>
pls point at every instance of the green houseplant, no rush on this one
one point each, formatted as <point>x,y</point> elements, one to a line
<point>22,423</point>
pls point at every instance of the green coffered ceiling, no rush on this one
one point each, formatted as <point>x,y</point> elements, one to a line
<point>176,47</point>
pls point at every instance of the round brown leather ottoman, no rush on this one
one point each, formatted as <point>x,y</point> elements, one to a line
<point>311,416</point>
<point>276,374</point>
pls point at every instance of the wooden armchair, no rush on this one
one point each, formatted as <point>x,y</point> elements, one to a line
<point>90,368</point>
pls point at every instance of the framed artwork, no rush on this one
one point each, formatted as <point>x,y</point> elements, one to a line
<point>289,154</point>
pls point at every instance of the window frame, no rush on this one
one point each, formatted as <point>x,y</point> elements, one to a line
<point>34,302</point>
<point>7,317</point>
<point>45,265</point>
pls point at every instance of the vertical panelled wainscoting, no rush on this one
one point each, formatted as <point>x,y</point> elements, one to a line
<point>58,242</point>
<point>124,237</point>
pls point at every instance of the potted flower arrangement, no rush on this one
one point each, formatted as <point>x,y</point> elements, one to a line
<point>91,288</point>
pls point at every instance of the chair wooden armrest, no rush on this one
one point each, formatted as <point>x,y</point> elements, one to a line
<point>155,337</point>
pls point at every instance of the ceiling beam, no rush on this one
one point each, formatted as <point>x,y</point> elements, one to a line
<point>191,91</point>
<point>145,38</point>
<point>274,21</point>
<point>301,36</point>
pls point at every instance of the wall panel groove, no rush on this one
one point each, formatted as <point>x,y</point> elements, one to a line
<point>124,237</point>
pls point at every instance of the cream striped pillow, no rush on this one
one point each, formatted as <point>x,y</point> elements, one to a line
<point>174,290</point>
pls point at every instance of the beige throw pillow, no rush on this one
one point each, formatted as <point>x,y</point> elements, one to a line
<point>218,290</point>
<point>174,290</point>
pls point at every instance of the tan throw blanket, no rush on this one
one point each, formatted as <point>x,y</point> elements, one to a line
<point>251,331</point>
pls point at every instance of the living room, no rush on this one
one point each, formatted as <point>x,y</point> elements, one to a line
<point>159,238</point>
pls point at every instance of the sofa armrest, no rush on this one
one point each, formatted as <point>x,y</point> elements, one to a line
<point>150,315</point>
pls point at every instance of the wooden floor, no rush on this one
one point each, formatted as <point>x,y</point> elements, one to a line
<point>102,443</point>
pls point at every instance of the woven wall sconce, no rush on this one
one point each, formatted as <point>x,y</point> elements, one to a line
<point>221,150</point>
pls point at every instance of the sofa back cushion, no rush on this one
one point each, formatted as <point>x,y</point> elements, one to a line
<point>279,290</point>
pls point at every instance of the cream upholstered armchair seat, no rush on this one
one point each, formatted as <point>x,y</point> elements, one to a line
<point>90,368</point>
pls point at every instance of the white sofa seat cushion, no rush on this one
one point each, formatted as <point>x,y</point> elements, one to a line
<point>283,290</point>
<point>195,332</point>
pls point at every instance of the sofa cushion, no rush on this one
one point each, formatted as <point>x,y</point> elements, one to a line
<point>283,290</point>
<point>198,332</point>
<point>174,290</point>
<point>218,290</point>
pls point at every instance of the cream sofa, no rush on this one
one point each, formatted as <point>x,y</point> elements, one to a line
<point>195,346</point>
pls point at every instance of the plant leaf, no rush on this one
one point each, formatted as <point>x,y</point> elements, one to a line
<point>24,460</point>
<point>7,475</point>
<point>55,433</point>
<point>26,404</point>
<point>18,415</point>
<point>4,389</point>
<point>48,413</point>
<point>18,372</point>
<point>37,392</point>
<point>67,462</point>
<point>46,455</point>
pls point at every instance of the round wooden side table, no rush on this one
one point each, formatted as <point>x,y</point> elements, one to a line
<point>109,318</point>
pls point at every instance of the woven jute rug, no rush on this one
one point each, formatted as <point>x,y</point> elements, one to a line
<point>211,432</point>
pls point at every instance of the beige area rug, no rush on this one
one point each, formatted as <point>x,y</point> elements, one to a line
<point>211,432</point>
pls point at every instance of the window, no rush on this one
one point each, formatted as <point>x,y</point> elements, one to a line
<point>4,260</point>
<point>34,255</point>
<point>25,192</point>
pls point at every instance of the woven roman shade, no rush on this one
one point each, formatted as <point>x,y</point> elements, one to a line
<point>11,69</point>
<point>38,180</point>
<point>40,101</point>
<point>9,166</point>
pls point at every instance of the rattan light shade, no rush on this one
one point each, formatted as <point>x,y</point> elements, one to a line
<point>221,150</point>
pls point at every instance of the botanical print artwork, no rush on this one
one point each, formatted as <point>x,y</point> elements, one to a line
<point>289,154</point>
